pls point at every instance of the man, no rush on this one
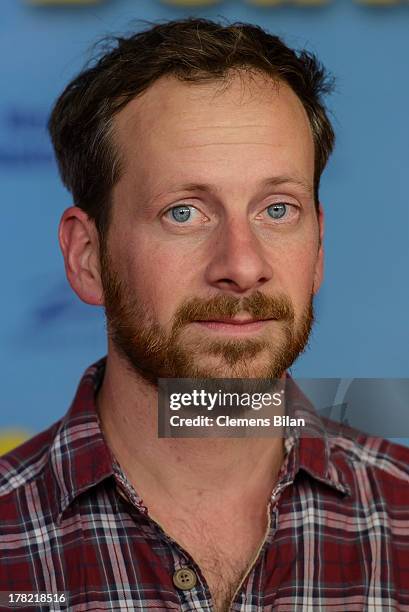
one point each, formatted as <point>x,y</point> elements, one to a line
<point>194,153</point>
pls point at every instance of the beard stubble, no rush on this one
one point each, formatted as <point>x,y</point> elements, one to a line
<point>152,353</point>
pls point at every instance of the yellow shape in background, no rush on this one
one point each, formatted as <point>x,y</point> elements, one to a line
<point>60,2</point>
<point>10,438</point>
<point>379,2</point>
<point>281,2</point>
<point>267,2</point>
<point>190,2</point>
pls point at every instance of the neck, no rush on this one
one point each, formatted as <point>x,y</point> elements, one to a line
<point>216,470</point>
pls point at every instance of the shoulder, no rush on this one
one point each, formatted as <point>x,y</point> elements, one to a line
<point>374,469</point>
<point>26,463</point>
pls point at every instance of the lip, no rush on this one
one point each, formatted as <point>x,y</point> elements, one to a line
<point>230,321</point>
<point>234,326</point>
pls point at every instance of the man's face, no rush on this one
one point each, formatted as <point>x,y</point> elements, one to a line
<point>213,223</point>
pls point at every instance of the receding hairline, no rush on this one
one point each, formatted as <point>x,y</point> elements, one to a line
<point>248,78</point>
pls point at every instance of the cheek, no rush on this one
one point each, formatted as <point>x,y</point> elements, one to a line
<point>297,271</point>
<point>159,277</point>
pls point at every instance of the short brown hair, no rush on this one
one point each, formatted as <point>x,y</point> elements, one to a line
<point>192,50</point>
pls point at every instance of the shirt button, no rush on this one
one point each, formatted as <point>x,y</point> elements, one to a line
<point>184,579</point>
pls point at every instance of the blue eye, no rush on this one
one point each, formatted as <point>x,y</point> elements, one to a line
<point>181,213</point>
<point>277,211</point>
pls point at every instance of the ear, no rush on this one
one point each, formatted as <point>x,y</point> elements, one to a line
<point>79,243</point>
<point>319,266</point>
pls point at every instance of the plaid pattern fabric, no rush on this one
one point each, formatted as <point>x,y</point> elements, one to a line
<point>338,538</point>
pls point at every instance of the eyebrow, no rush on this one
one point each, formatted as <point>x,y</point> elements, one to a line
<point>275,181</point>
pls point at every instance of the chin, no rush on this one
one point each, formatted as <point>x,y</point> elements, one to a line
<point>218,368</point>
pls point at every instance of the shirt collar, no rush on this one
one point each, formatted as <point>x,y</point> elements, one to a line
<point>312,444</point>
<point>80,457</point>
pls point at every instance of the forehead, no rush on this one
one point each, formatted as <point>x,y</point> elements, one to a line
<point>178,126</point>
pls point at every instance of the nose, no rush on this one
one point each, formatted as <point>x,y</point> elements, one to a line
<point>238,263</point>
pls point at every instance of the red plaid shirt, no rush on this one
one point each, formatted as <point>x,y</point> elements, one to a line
<point>338,537</point>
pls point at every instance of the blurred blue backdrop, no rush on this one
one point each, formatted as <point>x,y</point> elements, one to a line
<point>48,337</point>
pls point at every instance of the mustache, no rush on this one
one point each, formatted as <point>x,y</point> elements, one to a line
<point>258,305</point>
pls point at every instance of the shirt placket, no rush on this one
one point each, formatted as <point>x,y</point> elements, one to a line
<point>187,578</point>
<point>189,582</point>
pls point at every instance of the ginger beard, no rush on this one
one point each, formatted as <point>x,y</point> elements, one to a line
<point>153,353</point>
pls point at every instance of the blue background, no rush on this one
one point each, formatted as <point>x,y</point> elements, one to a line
<point>48,337</point>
